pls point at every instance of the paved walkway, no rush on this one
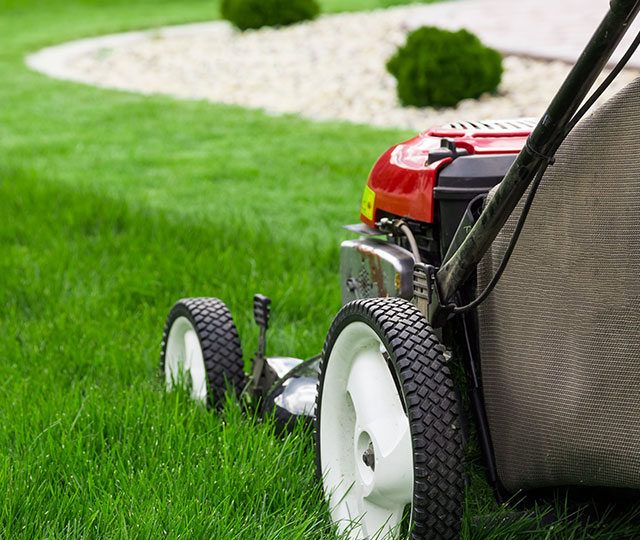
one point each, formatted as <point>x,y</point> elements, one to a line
<point>550,29</point>
<point>334,67</point>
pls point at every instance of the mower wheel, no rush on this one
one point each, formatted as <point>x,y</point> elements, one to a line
<point>201,350</point>
<point>388,446</point>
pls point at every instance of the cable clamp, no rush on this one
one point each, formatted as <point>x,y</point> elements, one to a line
<point>551,159</point>
<point>425,283</point>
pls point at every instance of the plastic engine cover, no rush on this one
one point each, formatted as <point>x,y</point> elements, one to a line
<point>402,181</point>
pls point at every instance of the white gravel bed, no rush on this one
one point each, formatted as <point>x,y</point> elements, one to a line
<point>327,69</point>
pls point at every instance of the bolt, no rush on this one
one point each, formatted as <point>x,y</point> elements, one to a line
<point>352,284</point>
<point>369,457</point>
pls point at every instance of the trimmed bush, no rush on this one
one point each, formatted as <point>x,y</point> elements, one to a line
<point>256,13</point>
<point>439,68</point>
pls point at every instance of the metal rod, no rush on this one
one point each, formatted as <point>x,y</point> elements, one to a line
<point>457,269</point>
<point>476,398</point>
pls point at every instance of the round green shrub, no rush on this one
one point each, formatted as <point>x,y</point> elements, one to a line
<point>256,13</point>
<point>439,68</point>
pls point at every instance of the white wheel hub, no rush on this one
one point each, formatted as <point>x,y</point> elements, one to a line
<point>184,360</point>
<point>365,439</point>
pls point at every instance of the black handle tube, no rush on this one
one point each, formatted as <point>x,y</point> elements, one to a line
<point>457,269</point>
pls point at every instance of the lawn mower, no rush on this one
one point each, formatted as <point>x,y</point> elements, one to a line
<point>546,346</point>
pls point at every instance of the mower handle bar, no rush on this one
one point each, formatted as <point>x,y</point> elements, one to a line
<point>541,145</point>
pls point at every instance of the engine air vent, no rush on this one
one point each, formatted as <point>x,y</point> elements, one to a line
<point>518,124</point>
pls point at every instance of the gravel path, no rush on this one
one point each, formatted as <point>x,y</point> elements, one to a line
<point>331,68</point>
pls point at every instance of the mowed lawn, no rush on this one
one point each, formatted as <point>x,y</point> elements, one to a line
<point>113,206</point>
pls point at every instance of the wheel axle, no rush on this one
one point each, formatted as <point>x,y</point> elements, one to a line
<point>369,457</point>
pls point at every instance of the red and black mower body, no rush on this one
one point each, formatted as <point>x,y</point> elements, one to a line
<point>431,179</point>
<point>431,184</point>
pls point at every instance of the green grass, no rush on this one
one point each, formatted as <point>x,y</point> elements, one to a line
<point>114,205</point>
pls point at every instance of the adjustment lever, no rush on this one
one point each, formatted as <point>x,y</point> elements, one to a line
<point>261,311</point>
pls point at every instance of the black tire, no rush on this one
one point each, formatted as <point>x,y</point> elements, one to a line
<point>219,342</point>
<point>416,362</point>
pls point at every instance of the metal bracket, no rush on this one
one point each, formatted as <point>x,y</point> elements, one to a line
<point>428,295</point>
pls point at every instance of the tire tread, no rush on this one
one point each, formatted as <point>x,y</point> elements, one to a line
<point>221,348</point>
<point>432,408</point>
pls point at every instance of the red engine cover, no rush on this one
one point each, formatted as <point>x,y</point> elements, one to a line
<point>401,182</point>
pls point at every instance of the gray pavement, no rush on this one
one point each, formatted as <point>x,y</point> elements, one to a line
<point>548,29</point>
